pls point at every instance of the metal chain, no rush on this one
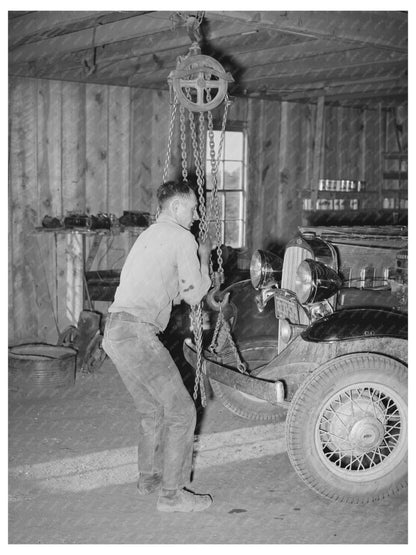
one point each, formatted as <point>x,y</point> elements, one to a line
<point>196,319</point>
<point>183,143</point>
<point>197,310</point>
<point>215,160</point>
<point>223,326</point>
<point>174,106</point>
<point>203,226</point>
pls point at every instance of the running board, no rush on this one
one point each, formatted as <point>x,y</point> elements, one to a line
<point>273,392</point>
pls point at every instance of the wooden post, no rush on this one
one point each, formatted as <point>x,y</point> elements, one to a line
<point>74,276</point>
<point>317,150</point>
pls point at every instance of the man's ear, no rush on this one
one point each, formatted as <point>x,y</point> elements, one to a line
<point>174,204</point>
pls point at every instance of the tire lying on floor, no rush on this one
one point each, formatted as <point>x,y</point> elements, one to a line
<point>346,429</point>
<point>255,353</point>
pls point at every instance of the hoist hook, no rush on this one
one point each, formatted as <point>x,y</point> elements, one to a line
<point>213,303</point>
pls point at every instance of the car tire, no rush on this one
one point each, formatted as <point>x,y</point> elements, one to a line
<point>255,353</point>
<point>346,429</point>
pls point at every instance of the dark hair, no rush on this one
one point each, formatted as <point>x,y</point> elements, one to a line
<point>171,189</point>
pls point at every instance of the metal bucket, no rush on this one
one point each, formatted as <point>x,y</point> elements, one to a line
<point>39,369</point>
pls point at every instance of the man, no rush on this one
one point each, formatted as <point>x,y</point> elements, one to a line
<point>162,267</point>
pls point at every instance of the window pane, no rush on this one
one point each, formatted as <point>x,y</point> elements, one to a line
<point>212,229</point>
<point>212,211</point>
<point>233,233</point>
<point>220,182</point>
<point>233,206</point>
<point>233,175</point>
<point>233,145</point>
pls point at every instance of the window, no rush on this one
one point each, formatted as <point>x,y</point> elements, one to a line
<point>231,181</point>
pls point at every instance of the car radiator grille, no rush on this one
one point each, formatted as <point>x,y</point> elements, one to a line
<point>293,257</point>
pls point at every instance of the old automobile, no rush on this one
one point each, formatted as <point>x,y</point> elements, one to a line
<point>319,340</point>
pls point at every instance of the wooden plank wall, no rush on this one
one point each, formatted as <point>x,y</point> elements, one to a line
<point>91,148</point>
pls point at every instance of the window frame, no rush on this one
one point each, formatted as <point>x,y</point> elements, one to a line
<point>239,128</point>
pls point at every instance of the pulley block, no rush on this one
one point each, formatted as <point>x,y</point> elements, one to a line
<point>200,83</point>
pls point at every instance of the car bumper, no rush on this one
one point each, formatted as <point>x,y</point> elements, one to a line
<point>272,392</point>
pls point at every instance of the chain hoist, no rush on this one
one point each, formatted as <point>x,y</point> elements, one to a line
<point>199,84</point>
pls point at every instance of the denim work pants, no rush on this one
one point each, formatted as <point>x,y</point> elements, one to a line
<point>167,414</point>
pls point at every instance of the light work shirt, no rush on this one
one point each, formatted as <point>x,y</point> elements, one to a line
<point>162,267</point>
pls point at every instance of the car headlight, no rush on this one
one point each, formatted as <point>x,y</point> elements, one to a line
<point>315,282</point>
<point>265,268</point>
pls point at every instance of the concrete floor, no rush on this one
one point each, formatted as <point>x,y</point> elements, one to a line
<point>72,480</point>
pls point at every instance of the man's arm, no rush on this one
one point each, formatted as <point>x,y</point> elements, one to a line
<point>193,273</point>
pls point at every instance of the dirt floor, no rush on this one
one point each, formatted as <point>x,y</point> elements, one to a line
<point>72,480</point>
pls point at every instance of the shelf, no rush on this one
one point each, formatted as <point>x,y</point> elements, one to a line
<point>395,155</point>
<point>396,175</point>
<point>340,194</point>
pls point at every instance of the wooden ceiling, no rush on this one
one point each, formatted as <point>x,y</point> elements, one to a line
<point>350,58</point>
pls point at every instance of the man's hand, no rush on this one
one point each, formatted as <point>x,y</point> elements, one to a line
<point>204,249</point>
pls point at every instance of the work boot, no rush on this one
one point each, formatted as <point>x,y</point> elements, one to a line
<point>148,483</point>
<point>182,501</point>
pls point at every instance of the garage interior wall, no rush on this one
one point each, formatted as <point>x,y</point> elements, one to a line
<point>99,148</point>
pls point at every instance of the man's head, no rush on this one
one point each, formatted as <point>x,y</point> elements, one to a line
<point>178,199</point>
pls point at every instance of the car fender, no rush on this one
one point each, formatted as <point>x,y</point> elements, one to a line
<point>355,323</point>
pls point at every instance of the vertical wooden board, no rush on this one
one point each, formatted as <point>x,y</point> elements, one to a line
<point>160,133</point>
<point>46,308</point>
<point>141,148</point>
<point>340,151</point>
<point>318,148</point>
<point>362,155</point>
<point>96,153</point>
<point>307,143</point>
<point>23,201</point>
<point>288,214</point>
<point>118,149</point>
<point>49,147</point>
<point>269,172</point>
<point>353,144</point>
<point>371,170</point>
<point>119,103</point>
<point>296,164</point>
<point>73,147</point>
<point>96,147</point>
<point>74,277</point>
<point>61,280</point>
<point>330,169</point>
<point>254,192</point>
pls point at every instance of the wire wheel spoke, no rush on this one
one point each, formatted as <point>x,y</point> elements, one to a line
<point>359,428</point>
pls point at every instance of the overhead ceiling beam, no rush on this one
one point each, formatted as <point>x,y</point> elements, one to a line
<point>369,28</point>
<point>98,35</point>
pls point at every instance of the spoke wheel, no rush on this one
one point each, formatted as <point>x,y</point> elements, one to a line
<point>200,83</point>
<point>346,429</point>
<point>256,354</point>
